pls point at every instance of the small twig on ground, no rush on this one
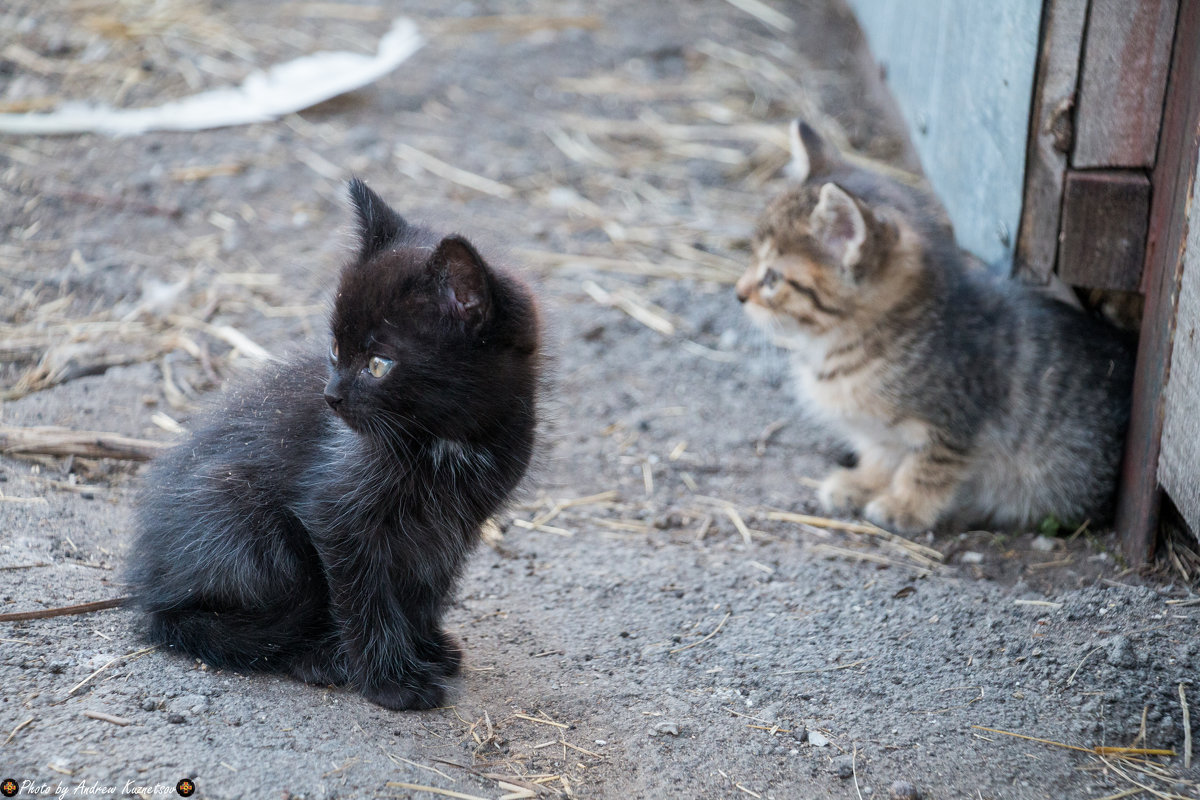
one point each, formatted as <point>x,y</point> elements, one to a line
<point>534,526</point>
<point>854,771</point>
<point>52,441</point>
<point>1034,739</point>
<point>1099,750</point>
<point>768,15</point>
<point>764,438</point>
<point>1074,672</point>
<point>416,787</point>
<point>452,173</point>
<point>100,715</point>
<point>857,555</point>
<point>127,656</point>
<point>919,552</point>
<point>1038,603</point>
<point>858,663</point>
<point>80,608</point>
<point>1187,730</point>
<point>645,312</point>
<point>17,730</point>
<point>397,759</point>
<point>739,523</point>
<point>706,638</point>
<point>542,721</point>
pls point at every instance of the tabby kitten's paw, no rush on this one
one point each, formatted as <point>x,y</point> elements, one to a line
<point>900,514</point>
<point>843,492</point>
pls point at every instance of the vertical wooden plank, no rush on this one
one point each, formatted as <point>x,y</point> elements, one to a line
<point>1123,79</point>
<point>962,74</point>
<point>1139,501</point>
<point>1179,463</point>
<point>1104,218</point>
<point>1050,134</point>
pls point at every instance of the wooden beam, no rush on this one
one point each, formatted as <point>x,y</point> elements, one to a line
<point>1124,76</point>
<point>1050,135</point>
<point>1104,219</point>
<point>1139,501</point>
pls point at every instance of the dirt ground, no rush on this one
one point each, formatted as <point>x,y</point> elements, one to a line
<point>651,622</point>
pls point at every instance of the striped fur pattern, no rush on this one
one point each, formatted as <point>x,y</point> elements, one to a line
<point>968,400</point>
<point>316,523</point>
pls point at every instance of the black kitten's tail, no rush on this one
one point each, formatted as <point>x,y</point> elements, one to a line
<point>235,639</point>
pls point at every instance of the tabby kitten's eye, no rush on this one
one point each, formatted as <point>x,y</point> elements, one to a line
<point>379,366</point>
<point>333,351</point>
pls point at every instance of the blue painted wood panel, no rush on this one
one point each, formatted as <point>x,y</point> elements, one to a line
<point>962,73</point>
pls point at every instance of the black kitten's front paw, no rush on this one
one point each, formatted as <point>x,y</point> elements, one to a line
<point>319,669</point>
<point>442,652</point>
<point>407,695</point>
<point>449,654</point>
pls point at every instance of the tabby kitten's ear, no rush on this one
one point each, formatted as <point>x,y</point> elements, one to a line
<point>811,156</point>
<point>839,226</point>
<point>462,274</point>
<point>378,224</point>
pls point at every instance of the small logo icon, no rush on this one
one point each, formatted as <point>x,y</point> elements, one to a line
<point>185,787</point>
<point>9,787</point>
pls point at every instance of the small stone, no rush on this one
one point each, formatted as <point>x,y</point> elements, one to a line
<point>971,557</point>
<point>903,790</point>
<point>666,727</point>
<point>1120,652</point>
<point>57,666</point>
<point>843,766</point>
<point>149,704</point>
<point>817,739</point>
<point>1043,544</point>
<point>668,521</point>
<point>194,704</point>
<point>175,718</point>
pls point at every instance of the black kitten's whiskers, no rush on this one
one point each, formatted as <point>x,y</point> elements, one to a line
<point>322,536</point>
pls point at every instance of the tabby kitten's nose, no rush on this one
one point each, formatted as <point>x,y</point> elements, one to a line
<point>743,287</point>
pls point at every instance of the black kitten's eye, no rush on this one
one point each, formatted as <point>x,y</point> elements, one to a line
<point>378,366</point>
<point>333,351</point>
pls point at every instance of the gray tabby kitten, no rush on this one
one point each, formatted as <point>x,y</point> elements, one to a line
<point>968,400</point>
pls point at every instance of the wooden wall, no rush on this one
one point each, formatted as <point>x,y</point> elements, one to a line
<point>1169,320</point>
<point>962,74</point>
<point>1179,461</point>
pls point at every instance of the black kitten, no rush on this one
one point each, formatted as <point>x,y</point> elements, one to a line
<point>316,524</point>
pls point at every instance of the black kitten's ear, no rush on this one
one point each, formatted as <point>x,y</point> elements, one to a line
<point>378,224</point>
<point>463,276</point>
<point>811,156</point>
<point>839,225</point>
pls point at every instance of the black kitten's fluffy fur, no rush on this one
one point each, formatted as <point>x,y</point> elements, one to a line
<point>316,524</point>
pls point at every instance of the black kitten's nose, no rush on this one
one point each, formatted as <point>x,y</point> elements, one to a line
<point>333,396</point>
